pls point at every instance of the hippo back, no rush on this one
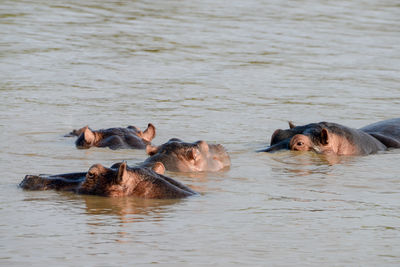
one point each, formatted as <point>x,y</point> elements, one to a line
<point>387,132</point>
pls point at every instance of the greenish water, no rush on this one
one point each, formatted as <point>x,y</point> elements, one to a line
<point>228,72</point>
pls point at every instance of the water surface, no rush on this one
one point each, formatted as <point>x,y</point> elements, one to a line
<point>228,72</point>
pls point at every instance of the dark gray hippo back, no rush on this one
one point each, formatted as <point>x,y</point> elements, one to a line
<point>387,132</point>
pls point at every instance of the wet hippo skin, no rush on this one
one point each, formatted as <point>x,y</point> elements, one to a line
<point>117,181</point>
<point>63,182</point>
<point>114,138</point>
<point>332,138</point>
<point>180,156</point>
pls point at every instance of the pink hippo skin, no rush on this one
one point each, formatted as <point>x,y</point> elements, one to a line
<point>179,156</point>
<point>333,138</point>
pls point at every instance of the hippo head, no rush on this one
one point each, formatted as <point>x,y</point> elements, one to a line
<point>86,139</point>
<point>280,139</point>
<point>115,181</point>
<point>199,156</point>
<point>325,138</point>
<point>316,139</point>
<point>124,136</point>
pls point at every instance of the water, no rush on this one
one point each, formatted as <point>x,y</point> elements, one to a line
<point>228,72</point>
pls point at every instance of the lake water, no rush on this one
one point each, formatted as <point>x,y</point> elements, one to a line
<point>228,72</point>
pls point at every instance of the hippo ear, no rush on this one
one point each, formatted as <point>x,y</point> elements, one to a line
<point>121,172</point>
<point>88,135</point>
<point>203,146</point>
<point>80,131</point>
<point>192,153</point>
<point>149,133</point>
<point>116,165</point>
<point>291,125</point>
<point>159,168</point>
<point>151,150</point>
<point>324,136</point>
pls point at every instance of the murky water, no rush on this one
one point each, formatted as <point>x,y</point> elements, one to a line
<point>228,72</point>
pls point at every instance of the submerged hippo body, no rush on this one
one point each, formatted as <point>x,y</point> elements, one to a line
<point>114,138</point>
<point>332,138</point>
<point>387,132</point>
<point>63,182</point>
<point>180,156</point>
<point>117,181</point>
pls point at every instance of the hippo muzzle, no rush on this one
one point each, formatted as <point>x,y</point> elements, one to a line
<point>282,145</point>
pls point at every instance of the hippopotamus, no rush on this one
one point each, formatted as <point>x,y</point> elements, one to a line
<point>117,181</point>
<point>114,138</point>
<point>179,156</point>
<point>333,138</point>
<point>62,182</point>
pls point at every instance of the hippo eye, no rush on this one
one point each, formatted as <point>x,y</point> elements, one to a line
<point>90,174</point>
<point>300,143</point>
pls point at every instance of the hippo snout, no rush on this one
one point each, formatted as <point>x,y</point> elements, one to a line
<point>283,145</point>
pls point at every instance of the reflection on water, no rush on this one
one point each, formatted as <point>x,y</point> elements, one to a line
<point>300,163</point>
<point>129,209</point>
